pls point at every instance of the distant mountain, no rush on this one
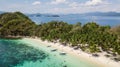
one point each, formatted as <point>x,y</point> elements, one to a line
<point>102,14</point>
<point>34,15</point>
<point>95,14</point>
<point>1,12</point>
<point>42,15</point>
<point>87,14</point>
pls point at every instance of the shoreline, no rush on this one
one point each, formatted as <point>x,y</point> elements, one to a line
<point>101,60</point>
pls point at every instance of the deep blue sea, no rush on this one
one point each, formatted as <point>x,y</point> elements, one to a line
<point>72,19</point>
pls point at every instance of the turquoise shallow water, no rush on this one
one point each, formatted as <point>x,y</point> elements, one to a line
<point>26,53</point>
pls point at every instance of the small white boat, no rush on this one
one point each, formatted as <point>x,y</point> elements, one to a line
<point>54,50</point>
<point>49,46</point>
<point>62,53</point>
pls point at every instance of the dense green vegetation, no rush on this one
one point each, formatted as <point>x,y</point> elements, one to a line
<point>90,37</point>
<point>16,24</point>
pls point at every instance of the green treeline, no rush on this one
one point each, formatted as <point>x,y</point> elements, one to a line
<point>16,24</point>
<point>90,37</point>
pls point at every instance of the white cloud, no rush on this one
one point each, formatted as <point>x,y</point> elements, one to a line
<point>74,5</point>
<point>58,1</point>
<point>95,2</point>
<point>89,3</point>
<point>36,3</point>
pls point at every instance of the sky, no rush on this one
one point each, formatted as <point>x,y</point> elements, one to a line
<point>60,6</point>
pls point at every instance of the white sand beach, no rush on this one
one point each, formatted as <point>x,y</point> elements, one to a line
<point>101,60</point>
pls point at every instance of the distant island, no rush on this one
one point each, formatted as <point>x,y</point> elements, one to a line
<point>91,37</point>
<point>115,14</point>
<point>102,14</point>
<point>42,15</point>
<point>58,15</point>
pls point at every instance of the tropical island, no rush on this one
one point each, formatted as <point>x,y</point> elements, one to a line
<point>91,38</point>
